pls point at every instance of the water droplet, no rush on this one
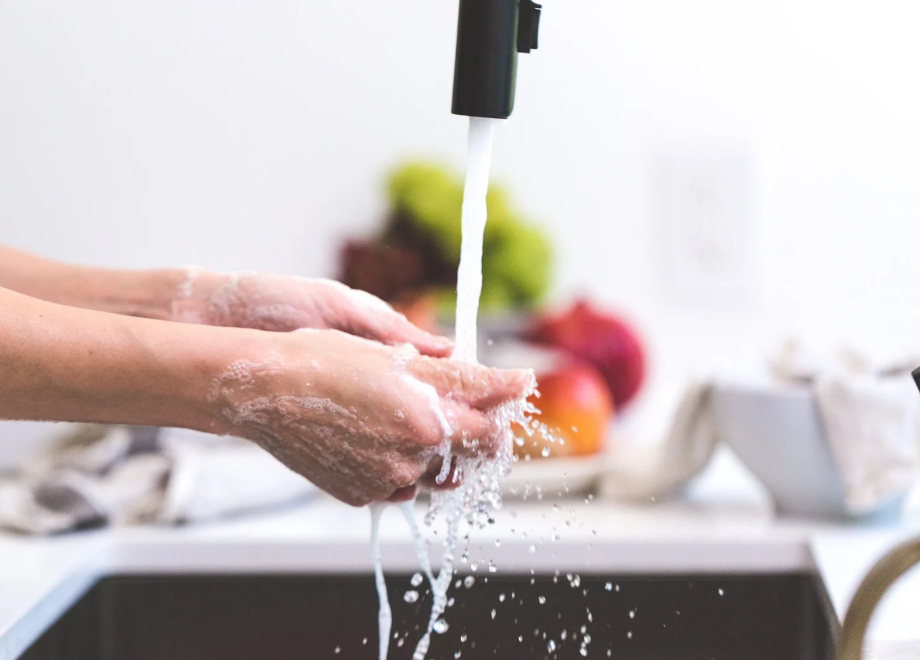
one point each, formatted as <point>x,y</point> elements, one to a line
<point>416,579</point>
<point>440,626</point>
<point>400,642</point>
<point>629,635</point>
<point>492,567</point>
<point>563,635</point>
<point>617,587</point>
<point>520,638</point>
<point>501,598</point>
<point>450,603</point>
<point>400,415</point>
<point>457,654</point>
<point>493,614</point>
<point>583,651</point>
<point>457,584</point>
<point>532,549</point>
<point>364,641</point>
<point>410,596</point>
<point>338,649</point>
<point>551,646</point>
<point>462,638</point>
<point>542,600</point>
<point>632,614</point>
<point>468,581</point>
<point>474,567</point>
<point>721,592</point>
<point>498,543</point>
<point>545,452</point>
<point>608,586</point>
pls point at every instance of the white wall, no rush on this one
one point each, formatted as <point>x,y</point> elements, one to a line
<point>239,135</point>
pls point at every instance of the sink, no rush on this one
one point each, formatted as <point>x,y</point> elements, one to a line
<point>277,617</point>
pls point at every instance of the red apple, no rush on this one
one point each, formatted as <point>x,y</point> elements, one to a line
<point>604,340</point>
<point>575,408</point>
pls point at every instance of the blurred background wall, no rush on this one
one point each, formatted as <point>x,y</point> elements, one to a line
<point>241,135</point>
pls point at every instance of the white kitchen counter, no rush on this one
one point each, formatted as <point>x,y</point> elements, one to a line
<point>41,578</point>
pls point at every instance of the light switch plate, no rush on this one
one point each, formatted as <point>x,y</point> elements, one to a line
<point>702,209</point>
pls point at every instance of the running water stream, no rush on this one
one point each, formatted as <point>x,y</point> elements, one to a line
<point>473,227</point>
<point>479,493</point>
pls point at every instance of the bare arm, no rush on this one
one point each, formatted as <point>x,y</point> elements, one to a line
<point>62,363</point>
<point>146,293</point>
<point>260,301</point>
<point>362,420</point>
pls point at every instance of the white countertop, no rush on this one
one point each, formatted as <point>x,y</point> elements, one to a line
<point>710,531</point>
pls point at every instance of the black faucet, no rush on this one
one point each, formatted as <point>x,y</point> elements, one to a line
<point>490,34</point>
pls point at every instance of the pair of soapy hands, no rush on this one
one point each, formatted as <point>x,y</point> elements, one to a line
<point>359,400</point>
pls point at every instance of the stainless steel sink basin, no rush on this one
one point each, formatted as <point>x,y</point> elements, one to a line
<point>224,617</point>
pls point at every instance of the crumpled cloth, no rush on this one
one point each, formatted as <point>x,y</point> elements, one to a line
<point>117,475</point>
<point>871,415</point>
<point>662,469</point>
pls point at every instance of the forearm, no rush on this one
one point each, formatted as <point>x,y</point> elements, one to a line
<point>148,293</point>
<point>61,363</point>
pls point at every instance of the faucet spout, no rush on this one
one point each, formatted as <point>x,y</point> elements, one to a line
<point>490,34</point>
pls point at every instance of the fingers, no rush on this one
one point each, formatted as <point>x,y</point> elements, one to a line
<point>472,384</point>
<point>393,328</point>
<point>473,432</point>
<point>370,317</point>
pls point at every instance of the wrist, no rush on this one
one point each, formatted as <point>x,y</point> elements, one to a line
<point>143,293</point>
<point>192,299</point>
<point>201,360</point>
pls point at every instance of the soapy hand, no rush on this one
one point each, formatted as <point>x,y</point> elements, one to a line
<point>363,421</point>
<point>265,301</point>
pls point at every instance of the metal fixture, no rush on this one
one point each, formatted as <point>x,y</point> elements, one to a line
<point>875,585</point>
<point>490,34</point>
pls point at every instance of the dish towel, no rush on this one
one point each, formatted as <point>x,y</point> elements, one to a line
<point>667,466</point>
<point>116,475</point>
<point>871,416</point>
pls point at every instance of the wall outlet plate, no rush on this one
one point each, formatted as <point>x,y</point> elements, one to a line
<point>702,209</point>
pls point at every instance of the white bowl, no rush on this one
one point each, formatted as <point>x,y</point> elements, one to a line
<point>779,434</point>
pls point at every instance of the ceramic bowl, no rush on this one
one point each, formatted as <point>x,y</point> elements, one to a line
<point>779,435</point>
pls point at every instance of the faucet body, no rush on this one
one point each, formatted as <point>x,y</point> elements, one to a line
<point>490,34</point>
<point>895,564</point>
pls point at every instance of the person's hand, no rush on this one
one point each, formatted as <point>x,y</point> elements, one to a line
<point>264,301</point>
<point>363,421</point>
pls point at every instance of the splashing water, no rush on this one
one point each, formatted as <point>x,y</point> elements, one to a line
<point>385,615</point>
<point>470,497</point>
<point>479,492</point>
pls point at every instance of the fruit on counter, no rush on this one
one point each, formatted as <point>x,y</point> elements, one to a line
<point>575,409</point>
<point>600,338</point>
<point>418,250</point>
